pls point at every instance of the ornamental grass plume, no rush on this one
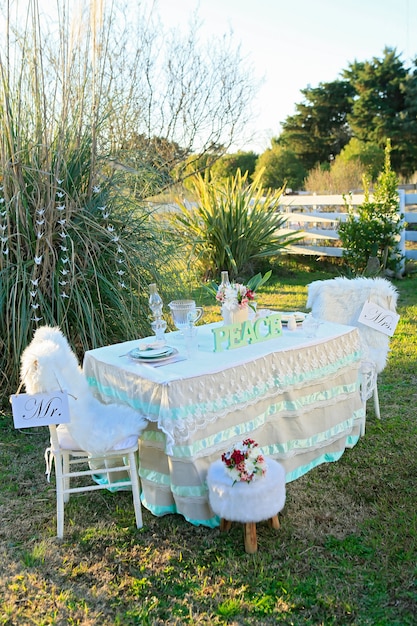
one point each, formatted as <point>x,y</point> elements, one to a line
<point>73,247</point>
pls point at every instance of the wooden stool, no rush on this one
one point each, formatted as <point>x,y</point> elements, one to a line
<point>247,503</point>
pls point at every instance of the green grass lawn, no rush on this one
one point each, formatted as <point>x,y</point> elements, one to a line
<point>346,552</point>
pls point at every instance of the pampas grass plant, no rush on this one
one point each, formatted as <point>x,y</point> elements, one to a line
<point>76,250</point>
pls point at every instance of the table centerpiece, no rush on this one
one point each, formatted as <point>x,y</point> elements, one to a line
<point>238,300</point>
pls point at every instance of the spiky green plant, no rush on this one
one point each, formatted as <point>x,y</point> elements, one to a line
<point>231,224</point>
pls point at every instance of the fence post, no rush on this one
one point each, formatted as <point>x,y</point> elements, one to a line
<point>401,244</point>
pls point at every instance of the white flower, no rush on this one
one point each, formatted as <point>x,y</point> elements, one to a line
<point>36,319</point>
<point>96,189</point>
<point>60,194</point>
<point>64,295</point>
<point>40,211</point>
<point>38,259</point>
<point>244,462</point>
<point>40,222</point>
<point>33,293</point>
<point>6,251</point>
<point>35,282</point>
<point>64,272</point>
<point>61,207</point>
<point>39,234</point>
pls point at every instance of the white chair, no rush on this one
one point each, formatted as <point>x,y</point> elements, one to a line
<point>73,465</point>
<point>100,443</point>
<point>341,300</point>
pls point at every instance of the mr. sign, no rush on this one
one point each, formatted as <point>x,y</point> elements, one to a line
<point>40,409</point>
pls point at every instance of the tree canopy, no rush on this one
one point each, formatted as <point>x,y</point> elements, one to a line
<point>373,101</point>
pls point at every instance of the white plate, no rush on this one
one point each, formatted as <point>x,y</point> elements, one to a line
<point>299,317</point>
<point>149,351</point>
<point>152,355</point>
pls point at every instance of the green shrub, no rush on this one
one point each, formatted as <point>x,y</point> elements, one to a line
<point>231,224</point>
<point>375,229</point>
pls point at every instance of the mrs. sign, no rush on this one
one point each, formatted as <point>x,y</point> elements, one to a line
<point>379,318</point>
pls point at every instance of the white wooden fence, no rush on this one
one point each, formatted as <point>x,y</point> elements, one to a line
<point>317,217</point>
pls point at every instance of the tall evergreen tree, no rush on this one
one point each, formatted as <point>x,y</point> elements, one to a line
<point>374,101</point>
<point>385,107</point>
<point>319,129</point>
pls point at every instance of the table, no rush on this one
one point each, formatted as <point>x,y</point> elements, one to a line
<point>298,397</point>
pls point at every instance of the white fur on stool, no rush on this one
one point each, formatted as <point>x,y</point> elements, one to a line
<point>244,502</point>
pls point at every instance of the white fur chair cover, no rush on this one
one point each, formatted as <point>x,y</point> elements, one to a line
<point>246,502</point>
<point>48,364</point>
<point>341,300</point>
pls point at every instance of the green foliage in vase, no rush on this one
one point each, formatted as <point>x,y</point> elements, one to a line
<point>374,230</point>
<point>231,224</point>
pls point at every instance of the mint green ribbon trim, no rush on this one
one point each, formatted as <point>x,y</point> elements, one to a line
<point>189,492</point>
<point>114,394</point>
<point>112,487</point>
<point>225,402</point>
<point>328,457</point>
<point>212,522</point>
<point>155,477</point>
<point>158,511</point>
<point>246,428</point>
<point>153,435</point>
<point>280,449</point>
<point>261,390</point>
<point>158,478</point>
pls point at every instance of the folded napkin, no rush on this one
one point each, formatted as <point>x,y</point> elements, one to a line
<point>152,345</point>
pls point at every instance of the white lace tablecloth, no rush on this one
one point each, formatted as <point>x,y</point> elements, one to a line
<point>298,397</point>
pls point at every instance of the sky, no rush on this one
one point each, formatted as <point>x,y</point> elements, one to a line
<point>293,44</point>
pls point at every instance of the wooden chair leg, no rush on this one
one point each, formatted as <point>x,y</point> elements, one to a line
<point>249,534</point>
<point>225,525</point>
<point>274,522</point>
